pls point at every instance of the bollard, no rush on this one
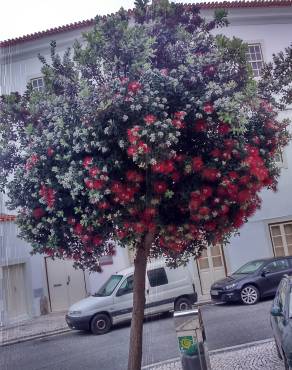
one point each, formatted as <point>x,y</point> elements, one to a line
<point>191,339</point>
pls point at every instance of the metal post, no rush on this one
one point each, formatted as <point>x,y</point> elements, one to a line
<point>191,338</point>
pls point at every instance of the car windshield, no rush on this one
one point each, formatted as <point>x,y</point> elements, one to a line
<point>109,286</point>
<point>250,267</point>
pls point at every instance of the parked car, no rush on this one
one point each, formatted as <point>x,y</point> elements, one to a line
<point>281,321</point>
<point>253,281</point>
<point>166,289</point>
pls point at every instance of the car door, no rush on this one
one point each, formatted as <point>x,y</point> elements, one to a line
<point>123,300</point>
<point>272,275</point>
<point>281,301</point>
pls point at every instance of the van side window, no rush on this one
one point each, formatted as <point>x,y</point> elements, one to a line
<point>157,277</point>
<point>126,286</point>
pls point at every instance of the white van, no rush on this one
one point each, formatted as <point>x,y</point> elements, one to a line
<point>166,289</point>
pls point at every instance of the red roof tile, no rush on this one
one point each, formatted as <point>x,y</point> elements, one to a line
<point>202,5</point>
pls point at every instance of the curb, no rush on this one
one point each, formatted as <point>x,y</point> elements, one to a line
<point>165,362</point>
<point>35,336</point>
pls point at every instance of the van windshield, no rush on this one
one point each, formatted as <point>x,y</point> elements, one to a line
<point>109,286</point>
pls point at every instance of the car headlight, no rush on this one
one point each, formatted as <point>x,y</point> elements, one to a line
<point>231,286</point>
<point>75,313</point>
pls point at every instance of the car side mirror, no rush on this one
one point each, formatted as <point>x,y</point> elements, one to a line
<point>265,272</point>
<point>276,311</point>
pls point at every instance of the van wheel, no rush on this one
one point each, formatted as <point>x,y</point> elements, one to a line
<point>182,304</point>
<point>100,324</point>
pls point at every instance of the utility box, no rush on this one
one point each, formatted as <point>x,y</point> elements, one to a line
<point>191,337</point>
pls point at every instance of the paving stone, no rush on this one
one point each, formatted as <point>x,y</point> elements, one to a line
<point>262,356</point>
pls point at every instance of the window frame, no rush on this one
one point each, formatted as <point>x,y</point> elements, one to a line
<point>37,78</point>
<point>260,44</point>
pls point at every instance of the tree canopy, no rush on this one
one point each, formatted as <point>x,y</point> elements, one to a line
<point>151,125</point>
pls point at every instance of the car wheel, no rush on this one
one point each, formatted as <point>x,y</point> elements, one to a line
<point>249,294</point>
<point>182,304</point>
<point>100,324</point>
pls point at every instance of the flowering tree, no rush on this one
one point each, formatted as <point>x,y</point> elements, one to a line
<point>154,134</point>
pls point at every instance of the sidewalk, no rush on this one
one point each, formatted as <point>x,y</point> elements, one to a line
<point>53,323</point>
<point>260,355</point>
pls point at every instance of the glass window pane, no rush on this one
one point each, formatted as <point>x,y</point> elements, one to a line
<point>203,263</point>
<point>289,239</point>
<point>278,241</point>
<point>157,277</point>
<point>279,252</point>
<point>217,261</point>
<point>288,229</point>
<point>275,230</point>
<point>215,250</point>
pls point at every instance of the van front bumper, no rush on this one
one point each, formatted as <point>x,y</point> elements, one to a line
<point>78,323</point>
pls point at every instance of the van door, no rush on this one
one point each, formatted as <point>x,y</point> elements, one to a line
<point>123,300</point>
<point>159,298</point>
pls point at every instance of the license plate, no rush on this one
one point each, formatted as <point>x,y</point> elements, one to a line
<point>214,292</point>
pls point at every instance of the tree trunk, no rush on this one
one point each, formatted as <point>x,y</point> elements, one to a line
<point>136,335</point>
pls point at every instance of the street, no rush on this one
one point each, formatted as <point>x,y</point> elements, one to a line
<point>226,325</point>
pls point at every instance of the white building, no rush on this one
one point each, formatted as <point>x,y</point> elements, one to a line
<point>29,282</point>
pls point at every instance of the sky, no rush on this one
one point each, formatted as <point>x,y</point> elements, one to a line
<point>22,17</point>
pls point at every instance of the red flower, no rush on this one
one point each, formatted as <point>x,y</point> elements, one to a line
<point>97,184</point>
<point>208,108</point>
<point>216,153</point>
<point>178,123</point>
<point>78,229</point>
<point>197,163</point>
<point>224,209</point>
<point>103,205</point>
<point>223,128</point>
<point>160,187</point>
<point>180,115</point>
<point>87,161</point>
<point>211,174</point>
<point>206,191</point>
<point>132,150</point>
<point>50,152</point>
<point>71,220</point>
<point>134,86</point>
<point>149,213</point>
<point>38,213</point>
<point>150,119</point>
<point>243,196</point>
<point>204,211</point>
<point>88,183</point>
<point>200,125</point>
<point>97,240</point>
<point>133,134</point>
<point>134,176</point>
<point>139,227</point>
<point>210,225</point>
<point>164,167</point>
<point>164,72</point>
<point>94,171</point>
<point>121,234</point>
<point>143,146</point>
<point>209,70</point>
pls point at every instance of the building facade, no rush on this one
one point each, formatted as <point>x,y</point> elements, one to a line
<point>32,285</point>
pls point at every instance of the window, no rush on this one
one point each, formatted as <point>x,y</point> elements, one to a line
<point>276,266</point>
<point>126,286</point>
<point>281,235</point>
<point>255,58</point>
<point>250,267</point>
<point>157,277</point>
<point>109,286</point>
<point>37,83</point>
